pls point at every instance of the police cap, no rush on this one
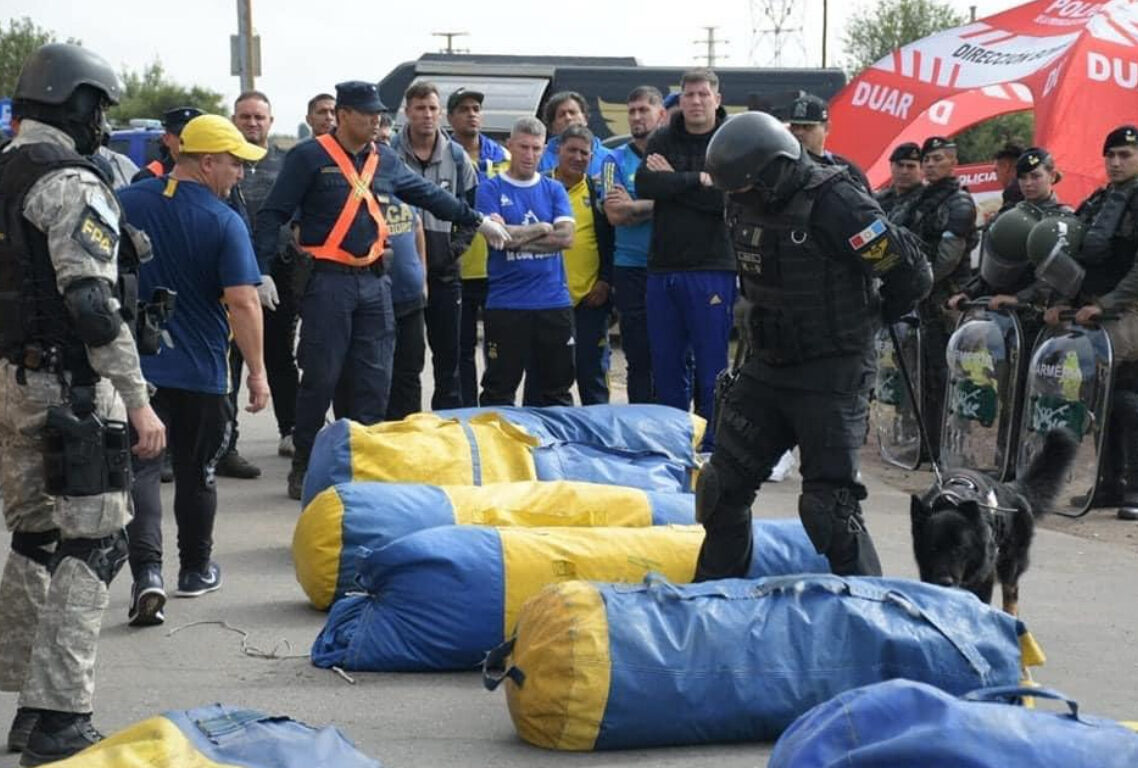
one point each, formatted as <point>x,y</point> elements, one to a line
<point>934,143</point>
<point>174,120</point>
<point>907,151</point>
<point>360,96</point>
<point>1032,158</point>
<point>1122,136</point>
<point>671,100</point>
<point>808,109</point>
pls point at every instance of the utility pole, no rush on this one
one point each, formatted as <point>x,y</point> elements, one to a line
<point>710,41</point>
<point>825,28</point>
<point>450,36</point>
<point>245,48</point>
<point>972,12</point>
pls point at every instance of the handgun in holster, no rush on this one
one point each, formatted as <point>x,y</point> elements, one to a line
<point>153,315</point>
<point>84,454</point>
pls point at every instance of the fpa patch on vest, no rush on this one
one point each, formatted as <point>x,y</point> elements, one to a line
<point>95,236</point>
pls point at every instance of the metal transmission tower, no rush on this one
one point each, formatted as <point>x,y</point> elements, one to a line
<point>710,41</point>
<point>776,25</point>
<point>450,36</point>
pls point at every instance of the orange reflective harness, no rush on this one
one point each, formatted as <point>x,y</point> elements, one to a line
<point>155,167</point>
<point>359,191</point>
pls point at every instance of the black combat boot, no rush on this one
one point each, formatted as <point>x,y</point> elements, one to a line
<point>58,736</point>
<point>1124,422</point>
<point>22,725</point>
<point>296,475</point>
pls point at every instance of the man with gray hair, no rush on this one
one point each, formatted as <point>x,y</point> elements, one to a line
<point>529,315</point>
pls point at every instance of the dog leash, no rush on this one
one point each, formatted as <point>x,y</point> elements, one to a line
<point>916,407</point>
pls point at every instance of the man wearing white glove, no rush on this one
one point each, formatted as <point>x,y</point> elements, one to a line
<point>267,292</point>
<point>348,298</point>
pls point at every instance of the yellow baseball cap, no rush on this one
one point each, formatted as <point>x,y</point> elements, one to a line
<point>210,134</point>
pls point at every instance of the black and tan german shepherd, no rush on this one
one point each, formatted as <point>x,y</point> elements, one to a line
<point>970,530</point>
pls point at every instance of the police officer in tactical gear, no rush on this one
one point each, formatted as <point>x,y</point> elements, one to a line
<point>1110,285</point>
<point>1006,274</point>
<point>944,218</point>
<point>69,375</point>
<point>907,181</point>
<point>821,265</point>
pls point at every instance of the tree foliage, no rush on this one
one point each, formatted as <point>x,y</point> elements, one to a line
<point>17,41</point>
<point>149,93</point>
<point>874,32</point>
<point>979,143</point>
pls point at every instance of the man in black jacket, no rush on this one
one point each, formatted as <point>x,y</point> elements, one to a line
<point>691,270</point>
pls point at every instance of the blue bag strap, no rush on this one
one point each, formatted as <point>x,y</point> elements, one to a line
<point>1009,693</point>
<point>495,669</point>
<point>866,589</point>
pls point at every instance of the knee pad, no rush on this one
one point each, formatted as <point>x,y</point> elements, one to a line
<point>104,556</point>
<point>829,514</point>
<point>721,495</point>
<point>37,547</point>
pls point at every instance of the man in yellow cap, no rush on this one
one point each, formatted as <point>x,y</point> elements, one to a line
<point>202,250</point>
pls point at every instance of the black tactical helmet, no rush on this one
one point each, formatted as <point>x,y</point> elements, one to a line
<point>53,72</point>
<point>744,146</point>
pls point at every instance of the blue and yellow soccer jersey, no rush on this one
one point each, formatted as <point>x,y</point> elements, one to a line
<point>632,242</point>
<point>583,259</point>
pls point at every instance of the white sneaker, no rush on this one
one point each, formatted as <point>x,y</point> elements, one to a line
<point>784,467</point>
<point>285,446</point>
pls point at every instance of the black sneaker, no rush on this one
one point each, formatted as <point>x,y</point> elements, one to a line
<point>22,725</point>
<point>147,599</point>
<point>234,464</point>
<point>197,583</point>
<point>295,482</point>
<point>70,734</point>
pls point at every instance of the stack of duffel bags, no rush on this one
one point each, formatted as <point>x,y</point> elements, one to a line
<point>426,537</point>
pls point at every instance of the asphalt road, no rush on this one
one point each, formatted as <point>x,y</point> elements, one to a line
<point>1078,599</point>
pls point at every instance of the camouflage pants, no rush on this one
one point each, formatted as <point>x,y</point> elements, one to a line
<point>49,623</point>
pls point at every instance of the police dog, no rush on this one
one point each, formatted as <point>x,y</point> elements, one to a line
<point>971,530</point>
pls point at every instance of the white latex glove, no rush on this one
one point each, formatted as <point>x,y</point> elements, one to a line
<point>267,292</point>
<point>495,234</point>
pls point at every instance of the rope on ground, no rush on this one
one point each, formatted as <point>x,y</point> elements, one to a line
<point>351,680</point>
<point>246,647</point>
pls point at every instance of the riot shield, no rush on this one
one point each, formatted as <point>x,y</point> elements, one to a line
<point>983,392</point>
<point>898,436</point>
<point>1068,385</point>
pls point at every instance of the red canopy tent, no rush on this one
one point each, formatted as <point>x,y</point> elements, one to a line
<point>1075,62</point>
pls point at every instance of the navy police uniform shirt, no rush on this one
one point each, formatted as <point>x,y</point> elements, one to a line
<point>311,186</point>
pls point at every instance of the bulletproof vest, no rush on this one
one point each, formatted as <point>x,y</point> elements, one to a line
<point>259,179</point>
<point>927,218</point>
<point>31,304</point>
<point>1111,240</point>
<point>808,304</point>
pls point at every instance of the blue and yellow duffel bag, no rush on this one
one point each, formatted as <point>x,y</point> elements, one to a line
<point>651,447</point>
<point>440,598</point>
<point>901,723</point>
<point>345,517</point>
<point>221,737</point>
<point>610,666</point>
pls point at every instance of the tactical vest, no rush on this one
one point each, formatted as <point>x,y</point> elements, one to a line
<point>31,305</point>
<point>807,304</point>
<point>927,218</point>
<point>1105,270</point>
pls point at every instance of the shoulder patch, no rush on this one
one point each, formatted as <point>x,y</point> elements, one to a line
<point>868,235</point>
<point>95,236</point>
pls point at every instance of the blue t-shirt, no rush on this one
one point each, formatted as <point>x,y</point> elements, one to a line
<point>521,280</point>
<point>632,242</point>
<point>201,247</point>
<point>406,268</point>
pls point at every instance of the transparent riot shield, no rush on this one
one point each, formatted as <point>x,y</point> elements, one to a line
<point>982,397</point>
<point>898,436</point>
<point>1068,385</point>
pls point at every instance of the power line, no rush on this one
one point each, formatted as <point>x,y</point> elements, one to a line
<point>783,26</point>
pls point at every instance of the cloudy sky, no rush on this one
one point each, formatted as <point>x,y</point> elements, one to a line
<point>308,46</point>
